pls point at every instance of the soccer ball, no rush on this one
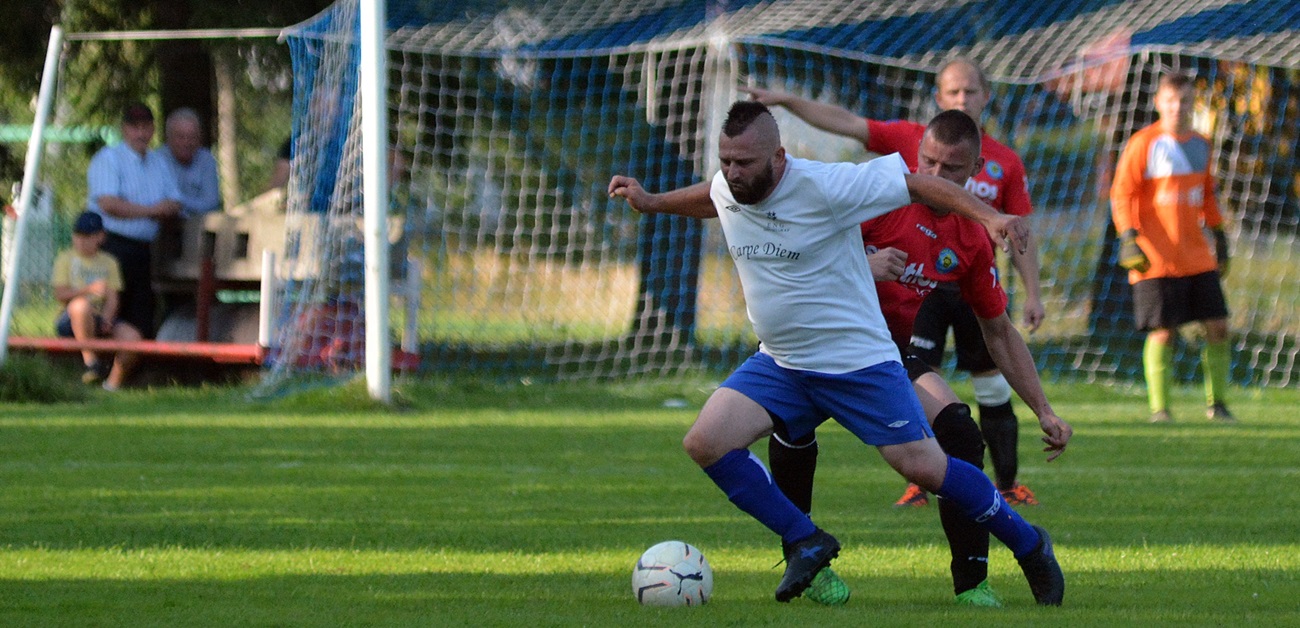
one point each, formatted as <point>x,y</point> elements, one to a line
<point>672,573</point>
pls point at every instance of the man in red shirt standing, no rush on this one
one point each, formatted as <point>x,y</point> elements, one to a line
<point>1000,182</point>
<point>1161,200</point>
<point>912,251</point>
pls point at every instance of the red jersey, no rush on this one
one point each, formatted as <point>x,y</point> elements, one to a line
<point>1000,183</point>
<point>939,249</point>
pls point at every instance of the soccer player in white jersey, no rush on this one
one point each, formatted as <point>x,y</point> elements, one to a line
<point>792,228</point>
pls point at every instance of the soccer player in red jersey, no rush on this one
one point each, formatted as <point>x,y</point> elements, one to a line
<point>1000,182</point>
<point>912,251</point>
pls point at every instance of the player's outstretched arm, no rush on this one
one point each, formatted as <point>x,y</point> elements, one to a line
<point>1007,231</point>
<point>692,201</point>
<point>1009,352</point>
<point>825,116</point>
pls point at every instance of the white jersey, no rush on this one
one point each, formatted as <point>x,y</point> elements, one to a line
<point>808,287</point>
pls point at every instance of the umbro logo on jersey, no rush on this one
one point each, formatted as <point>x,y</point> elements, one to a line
<point>897,424</point>
<point>735,209</point>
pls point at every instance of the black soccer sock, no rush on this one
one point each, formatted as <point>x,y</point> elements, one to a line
<point>969,542</point>
<point>793,467</point>
<point>1001,431</point>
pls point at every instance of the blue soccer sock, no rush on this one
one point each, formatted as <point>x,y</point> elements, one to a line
<point>749,486</point>
<point>972,491</point>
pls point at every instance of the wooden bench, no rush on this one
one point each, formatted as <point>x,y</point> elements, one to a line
<point>221,352</point>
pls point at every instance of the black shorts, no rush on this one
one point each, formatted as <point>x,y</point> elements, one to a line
<point>941,309</point>
<point>1168,302</point>
<point>915,366</point>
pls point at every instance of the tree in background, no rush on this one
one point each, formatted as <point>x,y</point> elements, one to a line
<point>101,77</point>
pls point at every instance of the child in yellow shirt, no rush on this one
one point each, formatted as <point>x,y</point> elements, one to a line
<point>87,281</point>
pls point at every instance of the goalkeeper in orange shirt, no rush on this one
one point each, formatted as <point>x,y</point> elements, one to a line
<point>1162,199</point>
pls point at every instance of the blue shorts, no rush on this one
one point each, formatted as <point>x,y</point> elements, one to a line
<point>876,403</point>
<point>63,325</point>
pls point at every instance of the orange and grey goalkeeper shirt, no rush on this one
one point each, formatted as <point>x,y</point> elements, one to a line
<point>1164,189</point>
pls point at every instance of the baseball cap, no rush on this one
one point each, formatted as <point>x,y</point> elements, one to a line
<point>137,112</point>
<point>88,223</point>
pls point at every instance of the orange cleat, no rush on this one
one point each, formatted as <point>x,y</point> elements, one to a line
<point>1019,495</point>
<point>914,496</point>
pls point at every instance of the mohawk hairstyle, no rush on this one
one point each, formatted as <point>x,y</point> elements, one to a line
<point>953,127</point>
<point>741,115</point>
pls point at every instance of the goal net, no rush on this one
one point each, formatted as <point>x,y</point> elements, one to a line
<point>508,119</point>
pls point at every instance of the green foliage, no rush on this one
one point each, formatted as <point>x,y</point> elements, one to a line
<point>514,503</point>
<point>34,379</point>
<point>99,77</point>
<point>23,34</point>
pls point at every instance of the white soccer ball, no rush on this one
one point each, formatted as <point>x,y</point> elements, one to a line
<point>672,573</point>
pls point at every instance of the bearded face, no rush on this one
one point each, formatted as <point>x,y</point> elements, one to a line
<point>752,161</point>
<point>756,188</point>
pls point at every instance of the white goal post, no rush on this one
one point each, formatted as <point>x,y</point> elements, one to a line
<point>31,169</point>
<point>374,132</point>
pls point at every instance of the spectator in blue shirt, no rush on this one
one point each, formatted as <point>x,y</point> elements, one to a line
<point>194,165</point>
<point>133,189</point>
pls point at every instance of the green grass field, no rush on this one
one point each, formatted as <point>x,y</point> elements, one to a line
<point>518,504</point>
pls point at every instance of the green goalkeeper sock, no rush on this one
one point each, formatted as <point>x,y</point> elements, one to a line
<point>1215,362</point>
<point>1155,358</point>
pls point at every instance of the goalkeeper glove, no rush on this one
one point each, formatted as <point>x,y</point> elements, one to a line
<point>1131,256</point>
<point>1221,249</point>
